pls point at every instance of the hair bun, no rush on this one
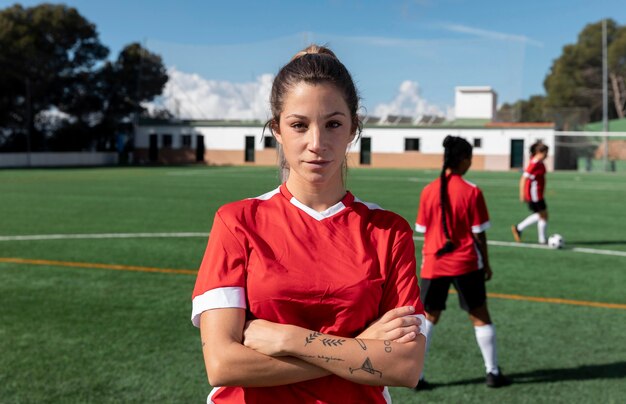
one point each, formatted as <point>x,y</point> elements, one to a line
<point>314,49</point>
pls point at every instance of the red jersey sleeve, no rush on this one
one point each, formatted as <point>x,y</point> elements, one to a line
<point>421,221</point>
<point>401,287</point>
<point>531,170</point>
<point>480,215</point>
<point>221,279</point>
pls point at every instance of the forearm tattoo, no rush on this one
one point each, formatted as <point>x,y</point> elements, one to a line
<point>311,337</point>
<point>387,346</point>
<point>367,367</point>
<point>361,344</point>
<point>329,358</point>
<point>333,341</point>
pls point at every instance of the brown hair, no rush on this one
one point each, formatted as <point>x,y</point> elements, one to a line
<point>538,147</point>
<point>455,150</point>
<point>313,65</point>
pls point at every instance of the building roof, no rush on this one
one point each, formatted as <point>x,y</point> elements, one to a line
<point>520,125</point>
<point>474,89</point>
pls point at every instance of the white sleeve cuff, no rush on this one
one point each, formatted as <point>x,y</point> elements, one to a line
<point>218,298</point>
<point>419,228</point>
<point>481,227</point>
<point>422,324</point>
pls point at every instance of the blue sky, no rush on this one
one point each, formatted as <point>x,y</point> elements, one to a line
<point>434,45</point>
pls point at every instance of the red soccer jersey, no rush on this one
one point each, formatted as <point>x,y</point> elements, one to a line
<point>466,214</point>
<point>334,271</point>
<point>535,175</point>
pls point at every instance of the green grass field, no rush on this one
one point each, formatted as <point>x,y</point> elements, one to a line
<point>73,332</point>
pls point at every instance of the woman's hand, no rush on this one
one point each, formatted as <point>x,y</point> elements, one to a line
<point>266,337</point>
<point>488,272</point>
<point>398,325</point>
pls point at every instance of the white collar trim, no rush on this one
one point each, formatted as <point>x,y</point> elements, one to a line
<point>267,195</point>
<point>333,210</point>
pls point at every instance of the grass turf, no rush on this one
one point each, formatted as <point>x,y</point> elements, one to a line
<point>96,335</point>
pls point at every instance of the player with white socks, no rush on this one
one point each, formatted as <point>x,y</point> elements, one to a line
<point>531,190</point>
<point>453,217</point>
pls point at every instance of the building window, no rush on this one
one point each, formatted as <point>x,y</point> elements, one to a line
<point>269,142</point>
<point>411,144</point>
<point>167,140</point>
<point>478,142</point>
<point>186,141</point>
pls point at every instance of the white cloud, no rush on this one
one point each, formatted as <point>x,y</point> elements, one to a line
<point>483,33</point>
<point>190,96</point>
<point>409,102</point>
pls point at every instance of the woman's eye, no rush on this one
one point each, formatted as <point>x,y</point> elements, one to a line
<point>298,125</point>
<point>334,124</point>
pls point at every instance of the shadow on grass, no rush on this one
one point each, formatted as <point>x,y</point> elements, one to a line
<point>616,370</point>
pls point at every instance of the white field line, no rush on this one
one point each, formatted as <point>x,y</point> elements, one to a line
<point>36,237</point>
<point>602,252</point>
<point>545,247</point>
<point>39,237</point>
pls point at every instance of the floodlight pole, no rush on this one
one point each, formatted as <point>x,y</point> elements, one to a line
<point>605,106</point>
<point>29,114</point>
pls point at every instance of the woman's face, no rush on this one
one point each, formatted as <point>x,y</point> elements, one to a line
<point>541,156</point>
<point>315,129</point>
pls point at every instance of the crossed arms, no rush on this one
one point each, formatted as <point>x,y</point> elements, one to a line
<point>260,353</point>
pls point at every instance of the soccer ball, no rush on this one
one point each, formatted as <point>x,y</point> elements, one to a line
<point>556,241</point>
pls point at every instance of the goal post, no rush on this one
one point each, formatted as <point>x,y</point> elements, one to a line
<point>590,151</point>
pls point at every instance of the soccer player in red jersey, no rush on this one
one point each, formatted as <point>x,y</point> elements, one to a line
<point>453,216</point>
<point>307,294</point>
<point>531,190</point>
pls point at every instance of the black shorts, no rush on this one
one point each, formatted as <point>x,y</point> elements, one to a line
<point>538,206</point>
<point>470,287</point>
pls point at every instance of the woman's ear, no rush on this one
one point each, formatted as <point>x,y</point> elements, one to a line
<point>275,130</point>
<point>355,128</point>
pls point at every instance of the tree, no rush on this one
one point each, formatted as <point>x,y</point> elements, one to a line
<point>43,49</point>
<point>57,89</point>
<point>531,110</point>
<point>135,77</point>
<point>116,92</point>
<point>575,78</point>
<point>617,71</point>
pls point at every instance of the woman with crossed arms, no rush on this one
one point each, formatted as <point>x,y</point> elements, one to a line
<point>307,294</point>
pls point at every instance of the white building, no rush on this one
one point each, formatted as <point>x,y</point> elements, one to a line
<point>497,145</point>
<point>475,103</point>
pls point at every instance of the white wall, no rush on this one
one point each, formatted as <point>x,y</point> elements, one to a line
<point>142,139</point>
<point>495,141</point>
<point>474,102</point>
<point>58,159</point>
<point>215,137</point>
<point>232,138</point>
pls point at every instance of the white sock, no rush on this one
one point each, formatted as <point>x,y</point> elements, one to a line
<point>532,219</point>
<point>542,226</point>
<point>429,328</point>
<point>486,338</point>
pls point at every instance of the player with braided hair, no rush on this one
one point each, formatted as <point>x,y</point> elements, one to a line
<point>453,217</point>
